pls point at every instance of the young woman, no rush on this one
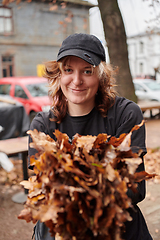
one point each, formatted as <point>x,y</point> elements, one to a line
<point>84,102</point>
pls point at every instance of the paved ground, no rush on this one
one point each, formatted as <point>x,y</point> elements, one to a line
<point>12,228</point>
<point>153,133</point>
<point>151,205</point>
<point>150,208</point>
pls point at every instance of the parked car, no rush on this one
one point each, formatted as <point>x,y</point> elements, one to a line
<point>147,89</point>
<point>32,92</point>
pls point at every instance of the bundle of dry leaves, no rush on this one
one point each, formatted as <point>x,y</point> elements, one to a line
<point>80,190</point>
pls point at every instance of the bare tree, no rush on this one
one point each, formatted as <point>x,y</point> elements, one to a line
<point>116,39</point>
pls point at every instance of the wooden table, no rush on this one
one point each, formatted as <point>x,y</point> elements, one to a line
<point>15,146</point>
<point>149,105</point>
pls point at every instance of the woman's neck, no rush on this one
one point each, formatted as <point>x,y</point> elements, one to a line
<point>79,110</point>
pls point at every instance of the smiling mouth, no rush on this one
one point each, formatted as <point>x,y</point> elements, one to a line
<point>77,90</point>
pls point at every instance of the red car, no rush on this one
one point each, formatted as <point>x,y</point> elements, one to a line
<point>32,92</point>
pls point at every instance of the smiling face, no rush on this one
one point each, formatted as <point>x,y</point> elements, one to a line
<point>79,83</point>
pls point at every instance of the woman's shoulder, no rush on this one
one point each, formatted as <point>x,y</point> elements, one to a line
<point>124,101</point>
<point>125,111</point>
<point>121,104</point>
<point>42,117</point>
<point>43,122</point>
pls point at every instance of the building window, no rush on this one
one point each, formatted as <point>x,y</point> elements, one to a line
<point>6,25</point>
<point>7,66</point>
<point>141,68</point>
<point>141,47</point>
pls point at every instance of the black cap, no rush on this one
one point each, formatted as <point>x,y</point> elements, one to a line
<point>88,47</point>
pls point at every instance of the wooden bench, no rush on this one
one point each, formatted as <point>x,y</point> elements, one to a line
<point>150,105</point>
<point>15,146</point>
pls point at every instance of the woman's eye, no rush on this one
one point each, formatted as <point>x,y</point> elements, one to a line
<point>88,72</point>
<point>68,70</point>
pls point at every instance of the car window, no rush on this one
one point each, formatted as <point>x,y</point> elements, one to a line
<point>19,92</point>
<point>38,89</point>
<point>153,86</point>
<point>138,87</point>
<point>5,89</point>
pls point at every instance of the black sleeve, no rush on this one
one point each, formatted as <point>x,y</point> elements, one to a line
<point>129,115</point>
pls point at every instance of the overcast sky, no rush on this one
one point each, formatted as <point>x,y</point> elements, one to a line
<point>135,15</point>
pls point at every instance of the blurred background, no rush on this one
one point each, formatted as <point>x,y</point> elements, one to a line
<point>31,33</point>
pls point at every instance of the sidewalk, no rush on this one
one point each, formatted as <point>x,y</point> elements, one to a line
<point>152,133</point>
<point>151,205</point>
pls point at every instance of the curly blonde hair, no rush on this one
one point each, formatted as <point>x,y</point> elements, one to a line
<point>104,98</point>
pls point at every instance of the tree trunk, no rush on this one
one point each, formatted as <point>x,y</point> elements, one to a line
<point>115,36</point>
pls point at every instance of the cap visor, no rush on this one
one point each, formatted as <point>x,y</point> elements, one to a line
<point>85,55</point>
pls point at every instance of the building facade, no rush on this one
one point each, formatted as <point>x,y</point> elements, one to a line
<point>144,55</point>
<point>31,33</point>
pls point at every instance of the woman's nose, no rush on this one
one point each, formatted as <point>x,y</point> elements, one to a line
<point>77,79</point>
